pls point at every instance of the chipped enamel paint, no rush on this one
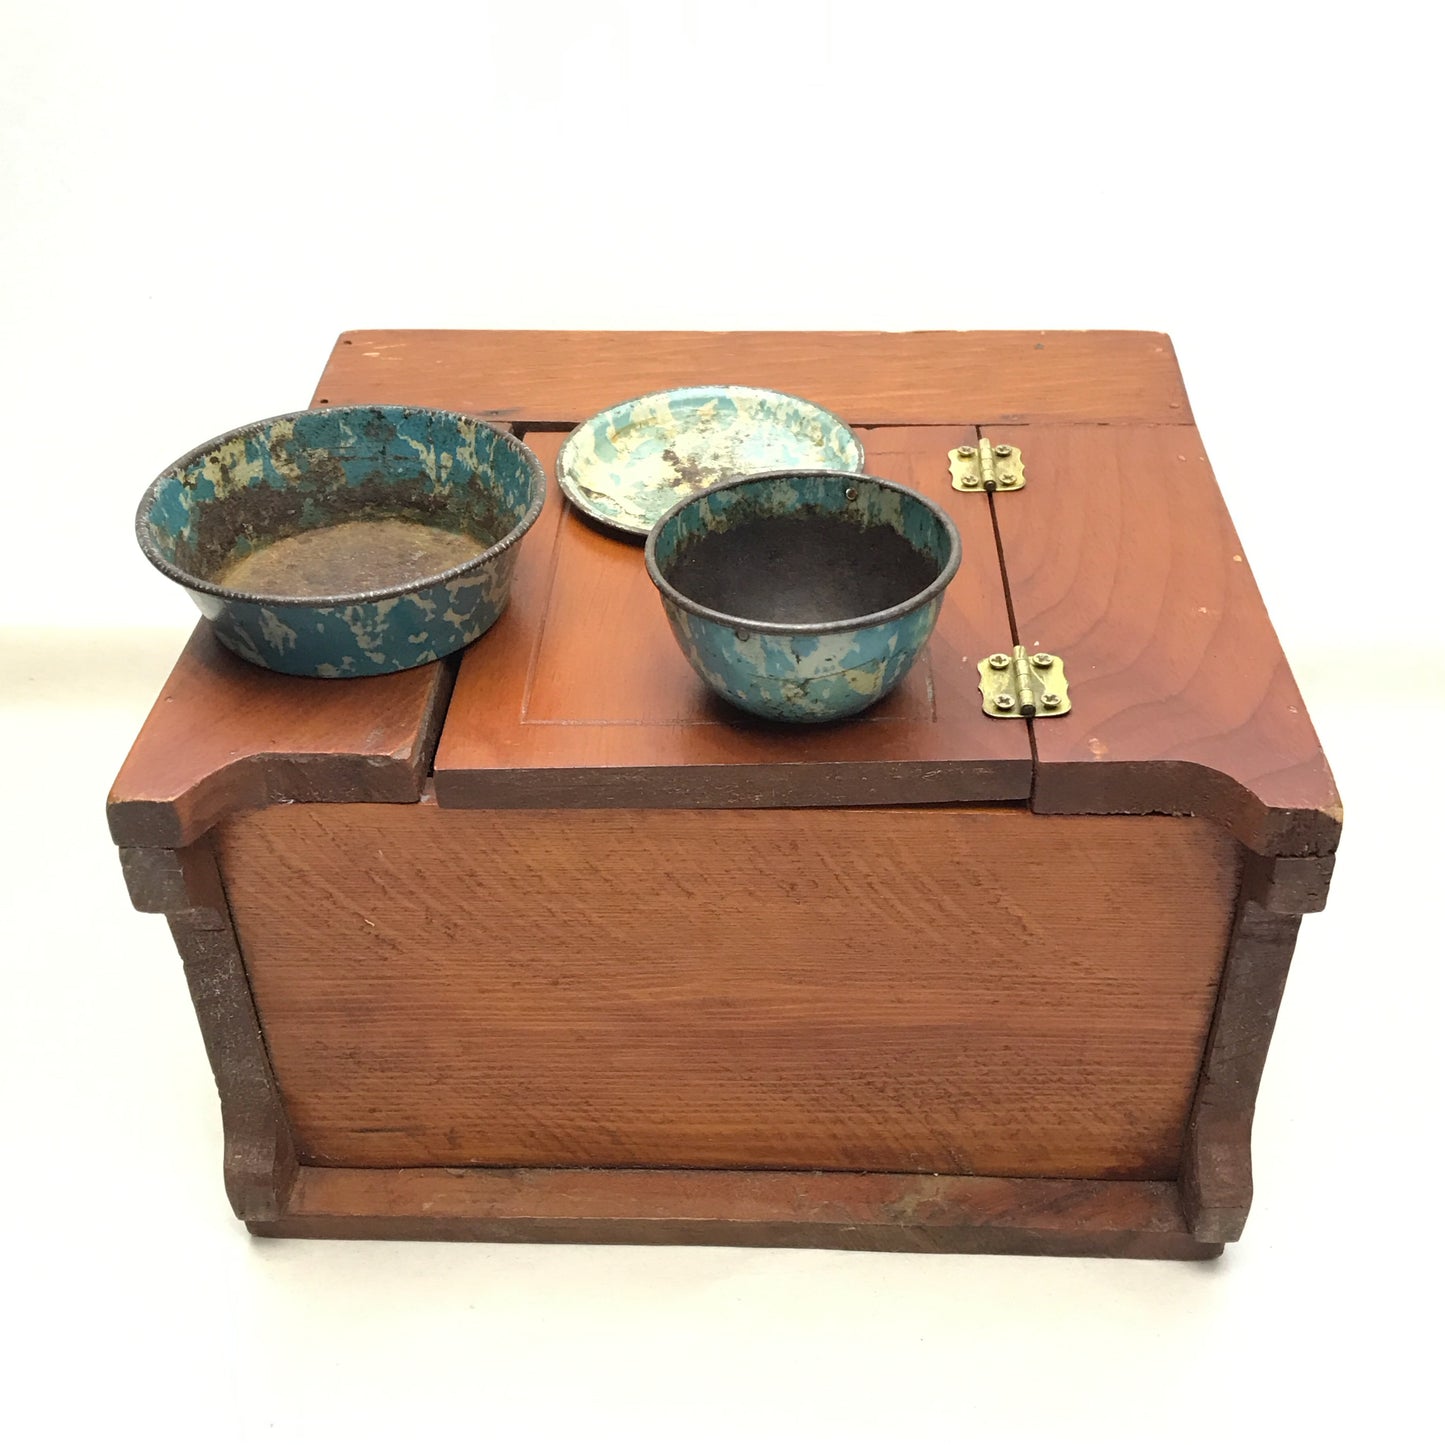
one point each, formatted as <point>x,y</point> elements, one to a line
<point>820,673</point>
<point>320,467</point>
<point>629,464</point>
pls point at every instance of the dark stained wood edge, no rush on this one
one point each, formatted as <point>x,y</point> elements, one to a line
<point>1289,885</point>
<point>949,1214</point>
<point>783,785</point>
<point>182,882</point>
<point>1176,786</point>
<point>259,1159</point>
<point>244,782</point>
<point>1216,1182</point>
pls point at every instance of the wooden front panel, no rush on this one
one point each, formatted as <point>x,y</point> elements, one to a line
<point>959,990</point>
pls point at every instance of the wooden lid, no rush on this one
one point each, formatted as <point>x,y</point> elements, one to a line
<point>1118,555</point>
<point>581,697</point>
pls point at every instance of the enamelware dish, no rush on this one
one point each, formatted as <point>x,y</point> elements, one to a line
<point>348,540</point>
<point>803,596</point>
<point>626,466</point>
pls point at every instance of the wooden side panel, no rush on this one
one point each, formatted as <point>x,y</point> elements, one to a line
<point>1120,556</point>
<point>743,1207</point>
<point>966,991</point>
<point>225,736</point>
<point>868,378</point>
<point>580,696</point>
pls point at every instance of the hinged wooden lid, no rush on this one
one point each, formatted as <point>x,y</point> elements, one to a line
<point>1118,554</point>
<point>582,698</point>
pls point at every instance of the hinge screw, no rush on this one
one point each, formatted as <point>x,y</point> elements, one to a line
<point>1003,450</point>
<point>965,451</point>
<point>1050,699</point>
<point>1004,702</point>
<point>1043,659</point>
<point>999,661</point>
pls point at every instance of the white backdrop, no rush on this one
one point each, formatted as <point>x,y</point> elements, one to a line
<point>196,198</point>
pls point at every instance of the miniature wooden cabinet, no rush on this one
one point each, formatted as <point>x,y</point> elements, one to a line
<point>548,943</point>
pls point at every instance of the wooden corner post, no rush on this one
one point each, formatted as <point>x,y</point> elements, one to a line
<point>1216,1183</point>
<point>184,884</point>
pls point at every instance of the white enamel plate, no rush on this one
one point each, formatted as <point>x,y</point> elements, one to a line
<point>627,465</point>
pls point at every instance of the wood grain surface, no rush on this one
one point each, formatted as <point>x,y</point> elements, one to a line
<point>743,1207</point>
<point>580,695</point>
<point>951,990</point>
<point>867,378</point>
<point>225,736</point>
<point>1121,558</point>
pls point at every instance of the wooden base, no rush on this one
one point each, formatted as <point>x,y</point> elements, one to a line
<point>926,1213</point>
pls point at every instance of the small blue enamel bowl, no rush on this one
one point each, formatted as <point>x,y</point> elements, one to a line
<point>803,596</point>
<point>349,540</point>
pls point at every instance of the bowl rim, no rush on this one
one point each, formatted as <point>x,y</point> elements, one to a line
<point>564,453</point>
<point>341,599</point>
<point>946,573</point>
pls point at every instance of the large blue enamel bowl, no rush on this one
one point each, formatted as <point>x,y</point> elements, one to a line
<point>348,540</point>
<point>803,596</point>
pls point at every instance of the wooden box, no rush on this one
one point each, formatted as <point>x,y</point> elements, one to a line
<point>550,945</point>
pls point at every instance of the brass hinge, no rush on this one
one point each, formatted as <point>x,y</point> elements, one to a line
<point>986,468</point>
<point>1020,685</point>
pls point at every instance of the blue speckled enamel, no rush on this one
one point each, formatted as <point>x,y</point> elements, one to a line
<point>812,674</point>
<point>803,679</point>
<point>279,477</point>
<point>364,638</point>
